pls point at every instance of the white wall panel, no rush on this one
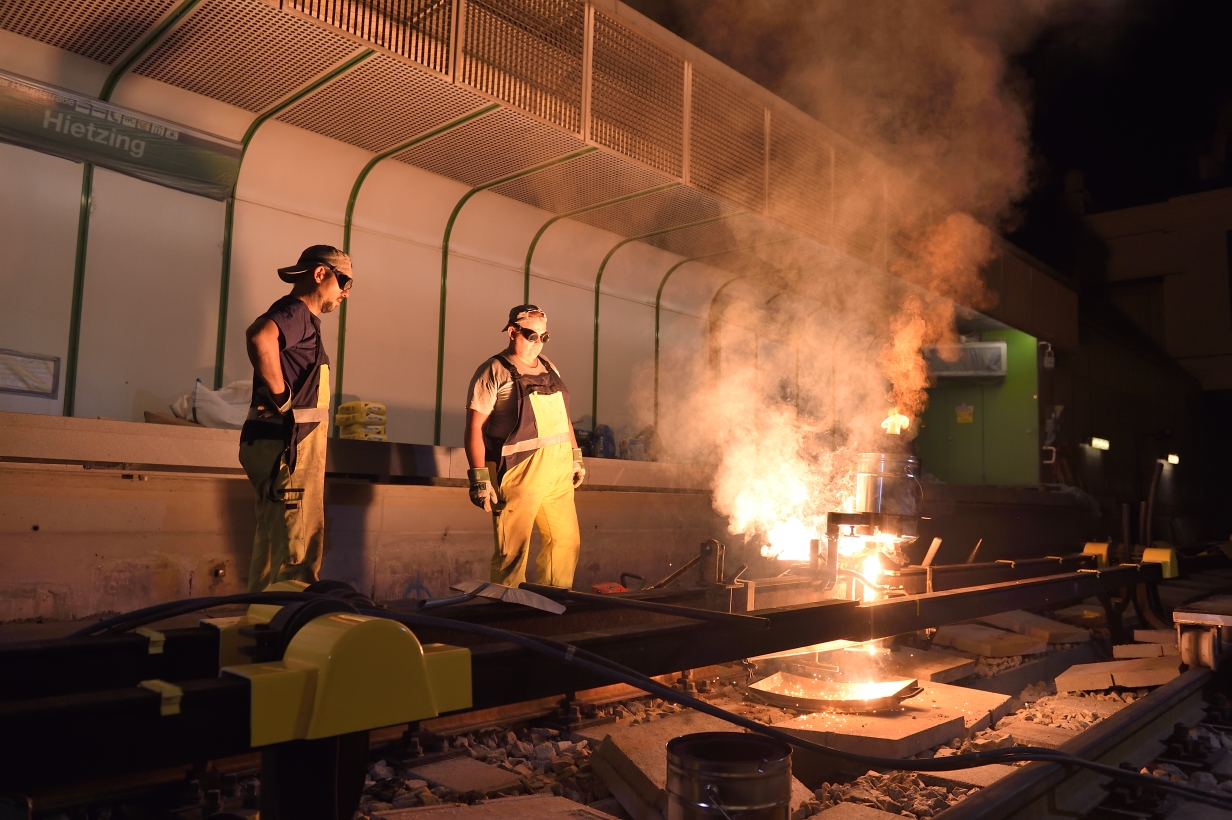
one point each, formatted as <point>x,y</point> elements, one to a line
<point>178,105</point>
<point>150,308</point>
<point>626,365</point>
<point>480,296</point>
<point>48,64</point>
<point>403,201</point>
<point>301,172</point>
<point>496,229</point>
<point>391,332</point>
<point>38,230</point>
<point>684,360</point>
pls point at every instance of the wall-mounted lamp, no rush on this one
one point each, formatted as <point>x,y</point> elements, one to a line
<point>1050,358</point>
<point>1098,443</point>
<point>1173,458</point>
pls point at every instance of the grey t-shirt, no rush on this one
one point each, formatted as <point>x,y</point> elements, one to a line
<point>491,392</point>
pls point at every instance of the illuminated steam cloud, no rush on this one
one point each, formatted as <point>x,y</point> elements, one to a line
<point>926,89</point>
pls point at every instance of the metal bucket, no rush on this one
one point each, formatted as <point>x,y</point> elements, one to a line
<point>719,775</point>
<point>886,483</point>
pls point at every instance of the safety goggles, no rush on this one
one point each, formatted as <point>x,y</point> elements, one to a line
<point>344,281</point>
<point>531,336</point>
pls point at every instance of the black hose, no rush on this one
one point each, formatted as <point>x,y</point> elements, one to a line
<point>604,667</point>
<point>160,612</point>
<point>569,653</point>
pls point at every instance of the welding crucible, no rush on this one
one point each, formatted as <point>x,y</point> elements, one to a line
<point>886,483</point>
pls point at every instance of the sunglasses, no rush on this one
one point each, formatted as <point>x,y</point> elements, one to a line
<point>344,281</point>
<point>531,336</point>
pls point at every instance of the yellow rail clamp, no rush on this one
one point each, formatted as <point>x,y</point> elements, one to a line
<point>264,613</point>
<point>230,641</point>
<point>157,639</point>
<point>1102,551</point>
<point>1165,556</point>
<point>344,673</point>
<point>169,693</point>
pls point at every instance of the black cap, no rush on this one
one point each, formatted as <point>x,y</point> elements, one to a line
<point>522,312</point>
<point>326,255</point>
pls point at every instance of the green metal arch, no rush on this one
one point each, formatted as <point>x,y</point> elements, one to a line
<point>453,217</point>
<point>594,370</point>
<point>659,305</point>
<point>348,220</point>
<point>534,243</point>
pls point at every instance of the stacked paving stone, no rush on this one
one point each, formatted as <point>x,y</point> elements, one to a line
<point>545,763</point>
<point>901,793</point>
<point>540,760</point>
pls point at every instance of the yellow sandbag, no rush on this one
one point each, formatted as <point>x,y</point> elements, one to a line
<point>355,429</point>
<point>344,419</point>
<point>366,436</point>
<point>352,407</point>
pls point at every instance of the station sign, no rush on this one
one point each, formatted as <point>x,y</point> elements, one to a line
<point>77,127</point>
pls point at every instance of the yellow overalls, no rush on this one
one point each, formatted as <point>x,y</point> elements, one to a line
<point>290,536</point>
<point>535,484</point>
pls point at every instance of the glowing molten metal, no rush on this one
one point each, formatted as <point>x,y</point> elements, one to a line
<point>895,423</point>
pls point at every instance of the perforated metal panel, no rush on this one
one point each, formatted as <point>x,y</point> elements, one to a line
<point>637,97</point>
<point>653,212</point>
<point>800,177</point>
<point>727,138</point>
<point>527,53</point>
<point>381,103</point>
<point>244,53</point>
<point>419,30</point>
<point>99,29</point>
<point>729,234</point>
<point>582,182</point>
<point>491,147</point>
<point>859,205</point>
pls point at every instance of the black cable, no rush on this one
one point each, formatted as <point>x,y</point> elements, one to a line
<point>602,666</point>
<point>605,667</point>
<point>161,612</point>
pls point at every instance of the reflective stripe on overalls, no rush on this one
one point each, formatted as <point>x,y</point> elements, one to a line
<point>533,467</point>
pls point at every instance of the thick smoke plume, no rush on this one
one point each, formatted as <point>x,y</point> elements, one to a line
<point>926,88</point>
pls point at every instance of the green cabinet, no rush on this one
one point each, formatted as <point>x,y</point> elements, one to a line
<point>986,433</point>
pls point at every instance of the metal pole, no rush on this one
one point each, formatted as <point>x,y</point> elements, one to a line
<point>87,196</point>
<point>224,293</point>
<point>534,243</point>
<point>594,375</point>
<point>440,342</point>
<point>349,218</point>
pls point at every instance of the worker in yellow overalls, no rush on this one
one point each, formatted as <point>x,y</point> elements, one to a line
<point>282,444</point>
<point>524,459</point>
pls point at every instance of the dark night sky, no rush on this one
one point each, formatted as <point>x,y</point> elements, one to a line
<point>1141,105</point>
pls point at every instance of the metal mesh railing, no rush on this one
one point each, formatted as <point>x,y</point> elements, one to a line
<point>99,29</point>
<point>381,103</point>
<point>801,167</point>
<point>243,53</point>
<point>727,143</point>
<point>420,30</point>
<point>637,97</point>
<point>527,53</point>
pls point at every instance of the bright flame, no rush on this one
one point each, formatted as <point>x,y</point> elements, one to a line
<point>789,541</point>
<point>895,423</point>
<point>872,571</point>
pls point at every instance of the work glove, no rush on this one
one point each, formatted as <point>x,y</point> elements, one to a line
<point>274,404</point>
<point>483,494</point>
<point>579,468</point>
